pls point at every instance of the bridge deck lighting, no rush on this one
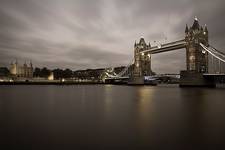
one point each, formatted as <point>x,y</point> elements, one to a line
<point>203,51</point>
<point>159,46</point>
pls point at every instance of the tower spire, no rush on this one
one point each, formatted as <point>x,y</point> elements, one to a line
<point>31,65</point>
<point>196,18</point>
<point>196,25</point>
<point>186,29</point>
<point>205,29</point>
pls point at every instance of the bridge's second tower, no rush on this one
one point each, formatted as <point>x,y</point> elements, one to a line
<point>196,57</point>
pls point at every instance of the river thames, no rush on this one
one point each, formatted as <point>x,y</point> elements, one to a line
<point>111,117</point>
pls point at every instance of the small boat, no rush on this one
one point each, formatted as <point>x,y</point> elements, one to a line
<point>150,80</point>
<point>146,80</point>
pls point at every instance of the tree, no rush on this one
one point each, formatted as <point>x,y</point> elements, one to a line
<point>58,73</point>
<point>45,72</point>
<point>67,73</point>
<point>4,71</point>
<point>37,72</point>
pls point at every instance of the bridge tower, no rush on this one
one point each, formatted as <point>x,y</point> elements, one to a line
<point>196,57</point>
<point>142,61</point>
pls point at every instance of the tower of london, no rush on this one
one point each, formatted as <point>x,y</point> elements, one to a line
<point>25,70</point>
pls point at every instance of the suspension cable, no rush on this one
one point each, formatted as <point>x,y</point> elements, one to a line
<point>209,51</point>
<point>125,69</point>
<point>216,51</point>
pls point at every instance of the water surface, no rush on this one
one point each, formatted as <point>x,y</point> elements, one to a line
<point>111,117</point>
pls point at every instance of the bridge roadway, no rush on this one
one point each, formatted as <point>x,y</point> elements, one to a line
<point>166,47</point>
<point>115,78</point>
<point>213,74</point>
<point>216,78</point>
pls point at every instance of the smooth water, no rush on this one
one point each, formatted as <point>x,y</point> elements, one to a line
<point>111,117</point>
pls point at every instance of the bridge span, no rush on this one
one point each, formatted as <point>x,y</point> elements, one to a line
<point>177,45</point>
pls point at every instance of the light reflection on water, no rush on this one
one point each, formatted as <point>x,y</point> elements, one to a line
<point>145,105</point>
<point>112,116</point>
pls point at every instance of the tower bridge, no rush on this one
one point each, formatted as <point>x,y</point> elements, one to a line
<point>198,50</point>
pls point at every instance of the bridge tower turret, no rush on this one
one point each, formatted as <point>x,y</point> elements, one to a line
<point>196,57</point>
<point>142,61</point>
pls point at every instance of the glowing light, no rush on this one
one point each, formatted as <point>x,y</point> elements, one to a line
<point>63,80</point>
<point>196,18</point>
<point>137,64</point>
<point>149,55</point>
<point>142,54</point>
<point>51,76</point>
<point>203,51</point>
<point>192,58</point>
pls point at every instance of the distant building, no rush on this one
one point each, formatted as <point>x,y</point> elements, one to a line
<point>89,73</point>
<point>25,70</point>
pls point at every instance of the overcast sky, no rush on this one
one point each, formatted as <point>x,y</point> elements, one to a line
<point>80,34</point>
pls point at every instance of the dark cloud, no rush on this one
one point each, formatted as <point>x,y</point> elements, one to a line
<point>81,34</point>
